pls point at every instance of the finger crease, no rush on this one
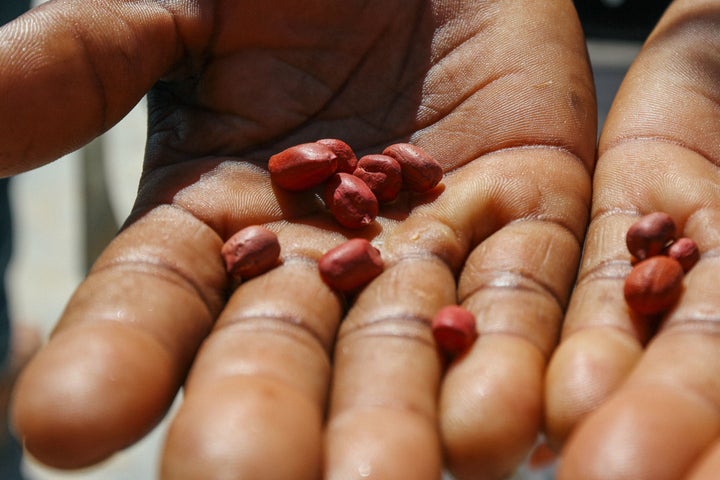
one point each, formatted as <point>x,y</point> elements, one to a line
<point>611,212</point>
<point>538,146</point>
<point>696,323</point>
<point>96,77</point>
<point>545,352</point>
<point>406,326</point>
<point>428,256</point>
<point>513,280</point>
<point>289,325</point>
<point>161,271</point>
<point>553,221</point>
<point>710,254</point>
<point>614,269</point>
<point>664,139</point>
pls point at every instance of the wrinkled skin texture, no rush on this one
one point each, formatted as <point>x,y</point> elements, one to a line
<point>625,403</point>
<point>275,385</point>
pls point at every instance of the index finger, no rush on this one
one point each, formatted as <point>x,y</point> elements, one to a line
<point>122,348</point>
<point>71,70</point>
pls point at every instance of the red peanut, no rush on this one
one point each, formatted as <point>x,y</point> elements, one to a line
<point>654,285</point>
<point>382,173</point>
<point>250,252</point>
<point>351,265</point>
<point>346,159</point>
<point>650,234</point>
<point>685,251</point>
<point>350,201</point>
<point>420,171</point>
<point>454,330</point>
<point>302,166</point>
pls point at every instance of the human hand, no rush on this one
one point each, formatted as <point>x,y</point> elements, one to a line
<point>274,383</point>
<point>628,401</point>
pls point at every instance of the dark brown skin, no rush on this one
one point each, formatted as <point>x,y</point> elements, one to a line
<point>626,406</point>
<point>235,82</point>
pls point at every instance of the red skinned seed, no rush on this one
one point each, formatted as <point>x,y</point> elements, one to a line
<point>649,235</point>
<point>454,330</point>
<point>346,159</point>
<point>350,200</point>
<point>420,171</point>
<point>302,167</point>
<point>685,251</point>
<point>382,173</point>
<point>351,265</point>
<point>250,252</point>
<point>654,285</point>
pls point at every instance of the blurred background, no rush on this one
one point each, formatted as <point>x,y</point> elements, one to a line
<point>66,212</point>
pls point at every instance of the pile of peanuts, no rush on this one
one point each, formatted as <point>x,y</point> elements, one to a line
<point>353,190</point>
<point>660,261</point>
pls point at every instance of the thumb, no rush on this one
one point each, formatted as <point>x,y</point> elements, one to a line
<point>71,69</point>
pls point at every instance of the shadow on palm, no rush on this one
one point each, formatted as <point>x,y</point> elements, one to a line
<point>265,85</point>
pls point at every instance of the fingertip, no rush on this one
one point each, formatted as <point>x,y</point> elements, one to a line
<point>244,427</point>
<point>584,370</point>
<point>491,407</point>
<point>640,434</point>
<point>90,393</point>
<point>382,443</point>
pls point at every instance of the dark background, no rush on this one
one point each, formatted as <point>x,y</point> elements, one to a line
<point>630,20</point>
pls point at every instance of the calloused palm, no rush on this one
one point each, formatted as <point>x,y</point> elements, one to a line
<point>631,400</point>
<point>283,378</point>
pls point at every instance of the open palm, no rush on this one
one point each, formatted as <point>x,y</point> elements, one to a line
<point>282,377</point>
